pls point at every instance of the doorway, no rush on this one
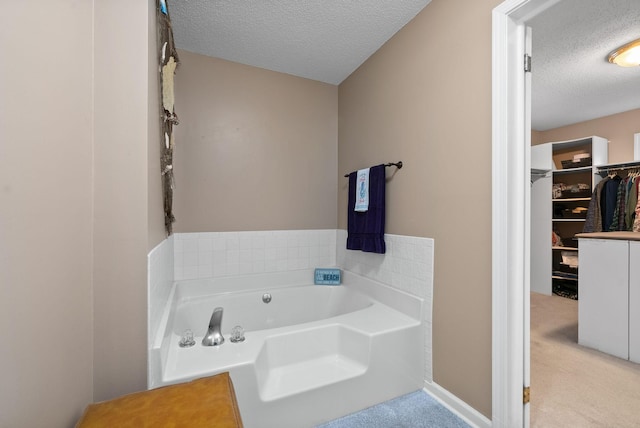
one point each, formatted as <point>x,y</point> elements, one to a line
<point>511,180</point>
<point>510,214</point>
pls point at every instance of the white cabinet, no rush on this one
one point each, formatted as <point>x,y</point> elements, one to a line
<point>563,213</point>
<point>634,301</point>
<point>609,304</point>
<point>603,308</point>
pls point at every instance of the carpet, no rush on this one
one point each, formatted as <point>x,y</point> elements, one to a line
<point>571,385</point>
<point>415,410</point>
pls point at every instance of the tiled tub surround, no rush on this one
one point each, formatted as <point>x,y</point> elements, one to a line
<point>406,266</point>
<point>218,254</point>
<point>160,277</point>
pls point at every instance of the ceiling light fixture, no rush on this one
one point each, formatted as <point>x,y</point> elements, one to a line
<point>627,55</point>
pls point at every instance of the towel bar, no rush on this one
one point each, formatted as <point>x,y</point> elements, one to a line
<point>396,164</point>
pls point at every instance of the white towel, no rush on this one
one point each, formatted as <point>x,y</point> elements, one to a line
<point>362,190</point>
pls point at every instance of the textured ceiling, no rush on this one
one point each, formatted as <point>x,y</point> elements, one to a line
<point>323,40</point>
<point>327,40</point>
<point>572,81</point>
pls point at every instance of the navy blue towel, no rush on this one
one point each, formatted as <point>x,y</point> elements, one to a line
<point>365,230</point>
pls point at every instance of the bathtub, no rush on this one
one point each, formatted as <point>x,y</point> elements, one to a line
<point>312,354</point>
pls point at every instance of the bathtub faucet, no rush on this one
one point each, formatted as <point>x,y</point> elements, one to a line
<point>213,336</point>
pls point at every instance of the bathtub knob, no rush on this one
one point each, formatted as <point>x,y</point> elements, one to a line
<point>266,297</point>
<point>187,339</point>
<point>237,334</point>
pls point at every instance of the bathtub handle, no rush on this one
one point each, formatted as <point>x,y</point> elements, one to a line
<point>214,336</point>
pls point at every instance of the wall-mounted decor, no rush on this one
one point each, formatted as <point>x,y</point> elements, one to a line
<point>168,60</point>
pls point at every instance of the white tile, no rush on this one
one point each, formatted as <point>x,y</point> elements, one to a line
<point>233,269</point>
<point>205,258</point>
<point>190,245</point>
<point>314,251</point>
<point>190,259</point>
<point>205,245</point>
<point>280,240</point>
<point>270,254</point>
<point>205,271</point>
<point>219,244</point>
<point>244,256</point>
<point>233,243</point>
<point>258,266</point>
<point>303,253</point>
<point>220,270</point>
<point>292,264</point>
<point>244,241</point>
<point>292,240</point>
<point>423,271</point>
<point>292,253</point>
<point>258,241</point>
<point>245,268</point>
<point>190,272</point>
<point>219,257</point>
<point>258,254</point>
<point>304,238</point>
<point>314,238</point>
<point>270,266</point>
<point>233,256</point>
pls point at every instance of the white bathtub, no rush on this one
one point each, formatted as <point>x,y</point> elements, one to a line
<point>314,353</point>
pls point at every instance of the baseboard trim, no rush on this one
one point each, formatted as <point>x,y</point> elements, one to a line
<point>457,406</point>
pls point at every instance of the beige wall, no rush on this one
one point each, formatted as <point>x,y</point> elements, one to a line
<point>255,149</point>
<point>120,230</point>
<point>46,340</point>
<point>425,99</point>
<point>618,129</point>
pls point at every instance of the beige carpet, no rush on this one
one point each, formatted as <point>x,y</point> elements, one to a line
<point>573,386</point>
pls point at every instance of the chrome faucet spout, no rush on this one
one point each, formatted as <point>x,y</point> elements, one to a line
<point>214,336</point>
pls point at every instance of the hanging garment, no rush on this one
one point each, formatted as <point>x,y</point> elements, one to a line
<point>632,200</point>
<point>593,222</point>
<point>608,201</point>
<point>636,221</point>
<point>618,215</point>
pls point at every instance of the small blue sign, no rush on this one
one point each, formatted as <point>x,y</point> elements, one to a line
<point>327,276</point>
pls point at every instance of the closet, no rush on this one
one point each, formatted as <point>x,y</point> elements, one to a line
<point>609,306</point>
<point>563,176</point>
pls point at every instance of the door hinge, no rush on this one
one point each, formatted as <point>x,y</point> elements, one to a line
<point>527,63</point>
<point>526,395</point>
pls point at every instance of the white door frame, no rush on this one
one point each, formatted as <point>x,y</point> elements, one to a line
<point>510,218</point>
